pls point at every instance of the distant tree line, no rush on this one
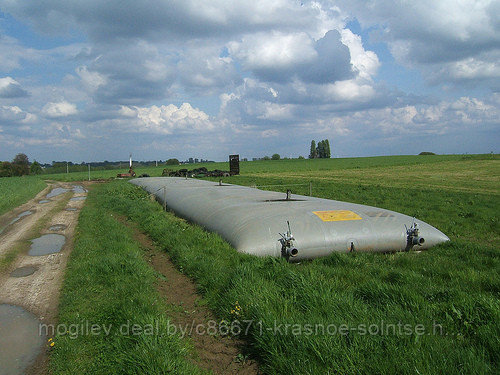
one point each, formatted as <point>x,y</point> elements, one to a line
<point>193,161</point>
<point>273,157</point>
<point>19,166</point>
<point>172,161</point>
<point>63,166</point>
<point>322,150</point>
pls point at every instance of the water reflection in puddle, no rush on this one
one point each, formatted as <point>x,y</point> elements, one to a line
<point>20,341</point>
<point>44,201</point>
<point>57,227</point>
<point>78,198</point>
<point>47,244</point>
<point>56,191</point>
<point>20,216</point>
<point>15,220</point>
<point>77,189</point>
<point>23,271</point>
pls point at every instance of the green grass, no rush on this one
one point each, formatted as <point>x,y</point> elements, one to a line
<point>291,166</point>
<point>15,191</point>
<point>450,292</point>
<point>109,284</point>
<point>480,176</point>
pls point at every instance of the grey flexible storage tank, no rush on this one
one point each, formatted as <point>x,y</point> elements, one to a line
<point>255,221</point>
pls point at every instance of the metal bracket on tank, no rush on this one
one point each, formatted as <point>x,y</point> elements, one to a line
<point>287,248</point>
<point>412,236</point>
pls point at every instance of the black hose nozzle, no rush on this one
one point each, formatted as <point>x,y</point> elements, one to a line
<point>417,240</point>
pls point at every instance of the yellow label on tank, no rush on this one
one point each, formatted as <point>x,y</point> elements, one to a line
<point>337,215</point>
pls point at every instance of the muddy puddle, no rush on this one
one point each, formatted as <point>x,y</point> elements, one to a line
<point>20,216</point>
<point>15,220</point>
<point>47,244</point>
<point>23,271</point>
<point>56,191</point>
<point>71,209</point>
<point>57,227</point>
<point>20,339</point>
<point>44,201</point>
<point>78,198</point>
<point>78,189</point>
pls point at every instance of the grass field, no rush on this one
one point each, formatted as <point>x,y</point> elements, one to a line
<point>15,191</point>
<point>480,176</point>
<point>109,285</point>
<point>296,166</point>
<point>410,313</point>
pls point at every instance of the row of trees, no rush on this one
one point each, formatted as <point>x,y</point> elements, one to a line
<point>320,151</point>
<point>19,166</point>
<point>274,157</point>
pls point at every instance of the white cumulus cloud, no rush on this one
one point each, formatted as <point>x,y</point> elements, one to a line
<point>366,62</point>
<point>274,50</point>
<point>458,39</point>
<point>13,115</point>
<point>167,119</point>
<point>10,88</point>
<point>91,80</point>
<point>59,109</point>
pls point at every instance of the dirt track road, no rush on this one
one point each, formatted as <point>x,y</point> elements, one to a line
<point>30,284</point>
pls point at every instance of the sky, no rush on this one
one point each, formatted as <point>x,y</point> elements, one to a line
<point>96,80</point>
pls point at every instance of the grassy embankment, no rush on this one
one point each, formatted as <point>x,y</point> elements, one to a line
<point>108,284</point>
<point>15,191</point>
<point>432,312</point>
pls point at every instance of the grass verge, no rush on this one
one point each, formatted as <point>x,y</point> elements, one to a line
<point>431,312</point>
<point>15,191</point>
<point>108,285</point>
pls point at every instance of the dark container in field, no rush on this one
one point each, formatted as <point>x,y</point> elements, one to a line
<point>234,164</point>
